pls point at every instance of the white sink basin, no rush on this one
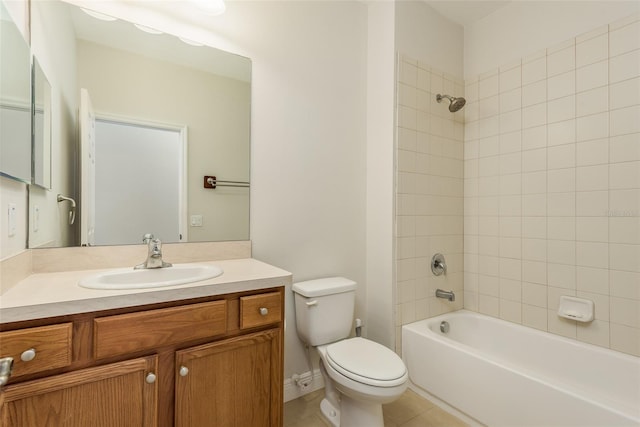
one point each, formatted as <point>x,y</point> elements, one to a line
<point>128,278</point>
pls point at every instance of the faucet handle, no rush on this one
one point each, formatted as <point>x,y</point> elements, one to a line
<point>147,238</point>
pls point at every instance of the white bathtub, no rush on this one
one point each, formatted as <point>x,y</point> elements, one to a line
<point>503,374</point>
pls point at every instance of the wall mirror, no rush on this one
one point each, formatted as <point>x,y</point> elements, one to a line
<point>15,101</point>
<point>161,113</point>
<point>41,127</point>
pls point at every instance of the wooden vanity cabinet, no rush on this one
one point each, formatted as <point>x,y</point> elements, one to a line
<point>214,361</point>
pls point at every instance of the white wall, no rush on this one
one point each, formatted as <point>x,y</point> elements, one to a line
<point>524,27</point>
<point>422,33</point>
<point>380,162</point>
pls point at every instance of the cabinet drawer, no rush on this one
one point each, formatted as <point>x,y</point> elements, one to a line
<point>37,349</point>
<point>259,310</point>
<point>128,333</point>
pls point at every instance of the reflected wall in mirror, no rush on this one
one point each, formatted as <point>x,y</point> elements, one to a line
<point>160,81</point>
<point>41,131</point>
<point>15,101</point>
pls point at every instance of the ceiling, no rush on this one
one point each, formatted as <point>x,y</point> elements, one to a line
<point>465,12</point>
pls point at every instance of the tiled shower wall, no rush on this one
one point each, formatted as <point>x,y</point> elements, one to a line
<point>429,192</point>
<point>551,189</point>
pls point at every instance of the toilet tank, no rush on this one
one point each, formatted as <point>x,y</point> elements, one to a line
<point>324,309</point>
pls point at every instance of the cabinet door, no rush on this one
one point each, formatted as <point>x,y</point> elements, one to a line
<point>115,395</point>
<point>231,383</point>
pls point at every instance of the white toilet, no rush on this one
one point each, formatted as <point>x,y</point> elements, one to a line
<point>359,375</point>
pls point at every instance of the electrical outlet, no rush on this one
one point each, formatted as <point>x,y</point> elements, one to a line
<point>36,218</point>
<point>11,219</point>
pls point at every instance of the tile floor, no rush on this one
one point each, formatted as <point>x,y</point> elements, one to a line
<point>411,410</point>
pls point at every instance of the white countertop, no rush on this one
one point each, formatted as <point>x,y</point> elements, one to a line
<point>58,294</point>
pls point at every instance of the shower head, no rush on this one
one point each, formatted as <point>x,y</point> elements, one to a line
<point>454,103</point>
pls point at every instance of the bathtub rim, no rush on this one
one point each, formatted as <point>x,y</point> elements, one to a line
<point>421,327</point>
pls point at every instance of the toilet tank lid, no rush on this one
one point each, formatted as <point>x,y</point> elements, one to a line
<point>324,286</point>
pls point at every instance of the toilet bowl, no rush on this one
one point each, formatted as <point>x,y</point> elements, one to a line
<point>359,374</point>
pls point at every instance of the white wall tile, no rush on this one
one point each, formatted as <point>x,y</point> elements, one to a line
<point>561,61</point>
<point>625,230</point>
<point>624,39</point>
<point>536,137</point>
<point>624,257</point>
<point>534,272</point>
<point>534,115</point>
<point>534,317</point>
<point>561,251</point>
<point>489,86</point>
<point>561,156</point>
<point>592,178</point>
<point>625,120</point>
<point>624,284</point>
<point>534,204</point>
<point>561,204</point>
<point>510,79</point>
<point>563,132</point>
<point>561,180</point>
<point>595,280</point>
<point>511,100</point>
<point>592,203</point>
<point>592,127</point>
<point>534,160</point>
<point>561,228</point>
<point>625,93</point>
<point>534,71</point>
<point>595,332</point>
<point>624,202</point>
<point>564,84</point>
<point>534,250</point>
<point>592,101</point>
<point>561,109</point>
<point>593,152</point>
<point>594,75</point>
<point>592,50</point>
<point>534,182</point>
<point>624,338</point>
<point>561,275</point>
<point>592,229</point>
<point>624,175</point>
<point>534,93</point>
<point>623,67</point>
<point>534,227</point>
<point>510,142</point>
<point>592,254</point>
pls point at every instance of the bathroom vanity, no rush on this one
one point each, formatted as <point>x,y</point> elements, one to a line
<point>205,353</point>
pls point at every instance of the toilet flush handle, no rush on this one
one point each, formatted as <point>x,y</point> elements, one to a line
<point>311,303</point>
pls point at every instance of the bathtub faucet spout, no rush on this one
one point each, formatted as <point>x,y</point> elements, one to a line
<point>448,295</point>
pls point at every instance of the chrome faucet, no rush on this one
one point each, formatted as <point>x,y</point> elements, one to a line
<point>448,295</point>
<point>154,254</point>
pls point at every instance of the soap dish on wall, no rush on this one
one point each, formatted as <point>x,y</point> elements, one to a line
<point>578,309</point>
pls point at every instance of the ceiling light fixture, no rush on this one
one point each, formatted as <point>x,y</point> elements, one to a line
<point>98,15</point>
<point>211,7</point>
<point>191,42</point>
<point>147,29</point>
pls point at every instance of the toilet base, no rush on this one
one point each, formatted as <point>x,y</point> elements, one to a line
<point>356,413</point>
<point>330,412</point>
<point>352,413</point>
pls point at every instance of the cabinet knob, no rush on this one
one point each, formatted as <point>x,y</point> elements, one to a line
<point>28,355</point>
<point>183,371</point>
<point>264,311</point>
<point>151,378</point>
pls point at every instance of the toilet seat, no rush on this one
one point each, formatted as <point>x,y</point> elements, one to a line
<point>366,362</point>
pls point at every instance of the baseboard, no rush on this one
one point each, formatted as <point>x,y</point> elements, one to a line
<point>292,391</point>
